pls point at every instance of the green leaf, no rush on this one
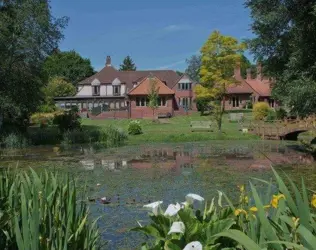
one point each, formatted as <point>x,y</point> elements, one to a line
<point>270,233</point>
<point>240,237</point>
<point>308,236</point>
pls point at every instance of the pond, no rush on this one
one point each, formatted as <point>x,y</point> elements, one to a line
<point>136,175</point>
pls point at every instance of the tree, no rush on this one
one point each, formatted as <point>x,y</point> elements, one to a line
<point>128,64</point>
<point>28,33</point>
<point>195,61</point>
<point>193,69</point>
<point>179,73</point>
<point>220,54</point>
<point>69,65</point>
<point>57,87</point>
<point>285,43</point>
<point>153,95</point>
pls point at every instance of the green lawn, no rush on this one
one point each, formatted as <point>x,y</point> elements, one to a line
<point>176,129</point>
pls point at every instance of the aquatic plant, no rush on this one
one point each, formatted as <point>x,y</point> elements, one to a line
<point>281,218</point>
<point>43,212</point>
<point>15,140</point>
<point>112,137</point>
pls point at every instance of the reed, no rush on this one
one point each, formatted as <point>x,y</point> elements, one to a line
<point>43,212</point>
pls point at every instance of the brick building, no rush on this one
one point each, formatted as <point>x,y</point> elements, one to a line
<point>125,93</point>
<point>251,89</point>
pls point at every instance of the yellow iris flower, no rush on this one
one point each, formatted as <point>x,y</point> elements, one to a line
<point>242,188</point>
<point>275,200</point>
<point>253,209</point>
<point>313,202</point>
<point>240,211</point>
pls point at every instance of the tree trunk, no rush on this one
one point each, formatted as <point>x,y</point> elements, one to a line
<point>221,114</point>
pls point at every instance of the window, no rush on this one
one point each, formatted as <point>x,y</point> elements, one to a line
<point>116,90</point>
<point>185,102</point>
<point>185,86</point>
<point>235,101</point>
<point>141,101</point>
<point>162,101</point>
<point>95,90</point>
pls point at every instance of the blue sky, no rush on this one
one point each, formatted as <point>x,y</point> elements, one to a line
<point>156,34</point>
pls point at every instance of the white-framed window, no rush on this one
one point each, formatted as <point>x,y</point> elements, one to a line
<point>95,90</point>
<point>162,101</point>
<point>116,90</point>
<point>141,101</point>
<point>185,102</point>
<point>184,86</point>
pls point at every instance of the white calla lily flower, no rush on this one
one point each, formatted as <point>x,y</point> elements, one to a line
<point>191,198</point>
<point>172,209</point>
<point>195,245</point>
<point>154,206</point>
<point>177,227</point>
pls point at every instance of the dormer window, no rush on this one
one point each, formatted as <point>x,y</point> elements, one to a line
<point>96,90</point>
<point>185,86</point>
<point>116,90</point>
<point>95,87</point>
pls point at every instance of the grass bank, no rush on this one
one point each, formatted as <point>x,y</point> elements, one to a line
<point>176,129</point>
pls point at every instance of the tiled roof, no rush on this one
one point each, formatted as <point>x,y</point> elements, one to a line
<point>261,87</point>
<point>109,73</point>
<point>245,86</point>
<point>241,87</point>
<point>144,87</point>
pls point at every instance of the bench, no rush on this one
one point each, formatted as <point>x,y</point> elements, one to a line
<point>201,126</point>
<point>236,117</point>
<point>164,115</point>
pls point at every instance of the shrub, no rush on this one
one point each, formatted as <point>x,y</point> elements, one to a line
<point>277,218</point>
<point>96,111</point>
<point>44,136</point>
<point>44,118</point>
<point>42,212</point>
<point>203,104</point>
<point>281,113</point>
<point>75,136</point>
<point>68,120</point>
<point>113,137</point>
<point>249,105</point>
<point>13,140</point>
<point>260,110</point>
<point>272,116</point>
<point>134,128</point>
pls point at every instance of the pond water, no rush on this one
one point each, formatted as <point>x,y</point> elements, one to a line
<point>136,175</point>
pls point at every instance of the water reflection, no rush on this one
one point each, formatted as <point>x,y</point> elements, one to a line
<point>133,176</point>
<point>180,159</point>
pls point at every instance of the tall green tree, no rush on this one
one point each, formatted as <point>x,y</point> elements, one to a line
<point>285,43</point>
<point>28,33</point>
<point>194,66</point>
<point>153,95</point>
<point>128,64</point>
<point>56,87</point>
<point>68,65</point>
<point>220,54</point>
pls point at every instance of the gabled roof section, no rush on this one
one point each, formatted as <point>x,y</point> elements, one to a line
<point>95,82</point>
<point>106,75</point>
<point>116,81</point>
<point>144,86</point>
<point>263,88</point>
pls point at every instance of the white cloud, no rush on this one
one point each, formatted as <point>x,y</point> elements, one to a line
<point>177,27</point>
<point>168,66</point>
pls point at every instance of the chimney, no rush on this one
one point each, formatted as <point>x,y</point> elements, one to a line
<point>237,71</point>
<point>259,71</point>
<point>108,61</point>
<point>249,77</point>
